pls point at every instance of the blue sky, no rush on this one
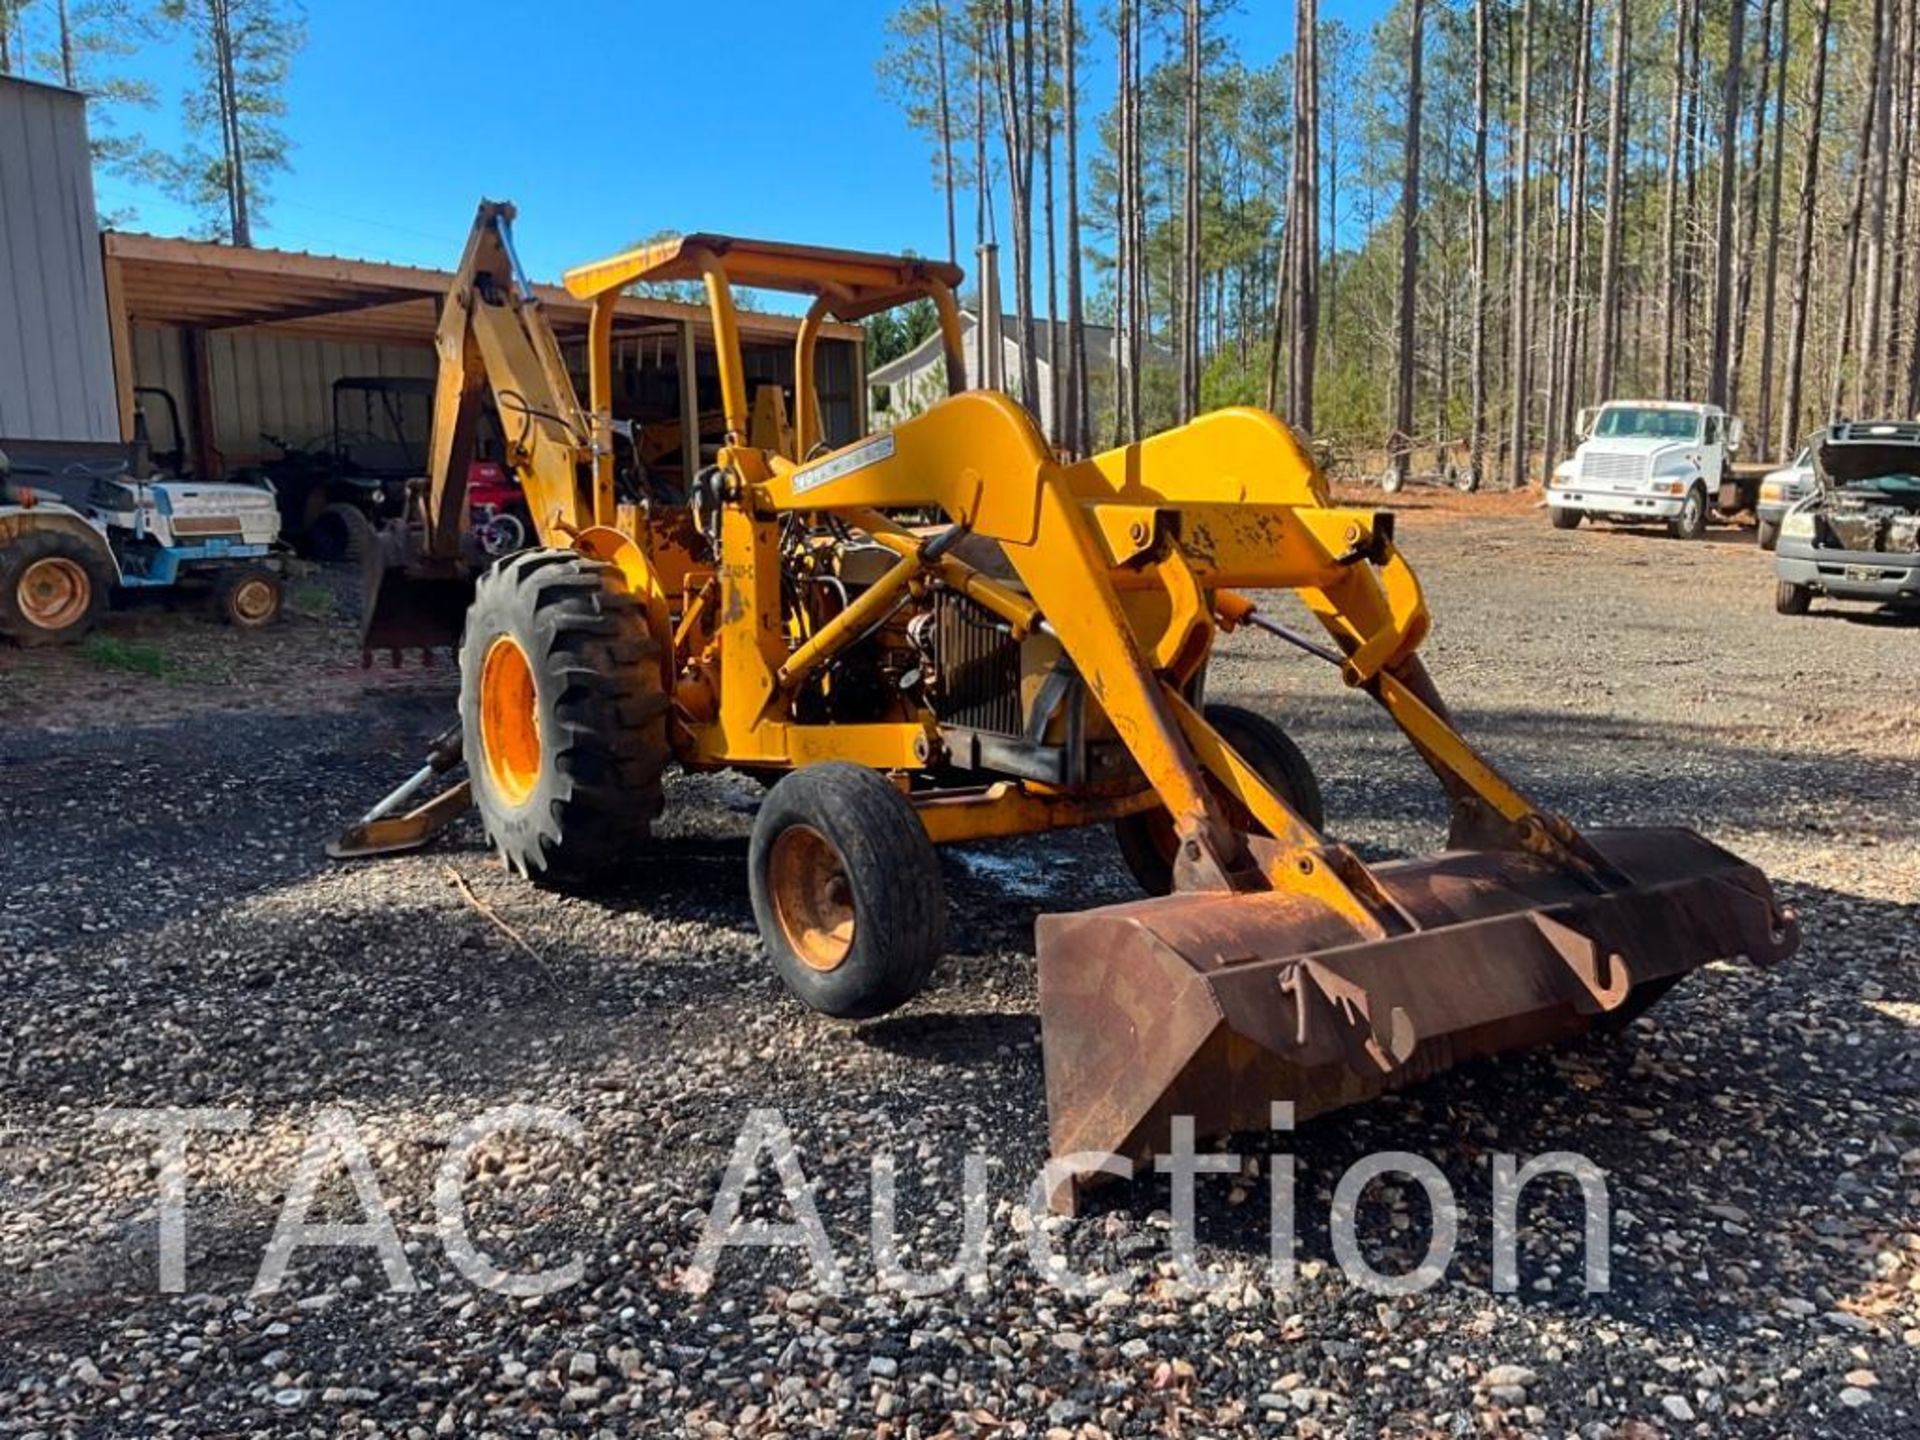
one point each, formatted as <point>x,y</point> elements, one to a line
<point>604,121</point>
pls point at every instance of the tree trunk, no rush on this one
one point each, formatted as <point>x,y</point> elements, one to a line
<point>1558,308</point>
<point>1326,318</point>
<point>1611,231</point>
<point>1670,215</point>
<point>946,130</point>
<point>238,207</point>
<point>1079,438</point>
<point>1573,370</point>
<point>1856,208</point>
<point>1409,244</point>
<point>982,176</point>
<point>1029,348</point>
<point>1723,316</point>
<point>1517,349</point>
<point>1749,225</point>
<point>1791,403</point>
<point>1189,299</point>
<point>1125,397</point>
<point>1054,431</point>
<point>1870,379</point>
<point>68,76</point>
<point>1477,400</point>
<point>1140,336</point>
<point>1770,286</point>
<point>1695,142</point>
<point>1902,162</point>
<point>1306,210</point>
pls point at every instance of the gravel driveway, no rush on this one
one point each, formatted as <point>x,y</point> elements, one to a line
<point>170,935</point>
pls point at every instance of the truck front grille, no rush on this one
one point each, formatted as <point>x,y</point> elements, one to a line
<point>1606,469</point>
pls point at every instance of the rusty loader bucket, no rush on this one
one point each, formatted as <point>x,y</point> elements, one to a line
<point>1214,1006</point>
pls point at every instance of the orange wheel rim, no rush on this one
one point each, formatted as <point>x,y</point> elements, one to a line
<point>812,897</point>
<point>253,600</point>
<point>55,593</point>
<point>509,721</point>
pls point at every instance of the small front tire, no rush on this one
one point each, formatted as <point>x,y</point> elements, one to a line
<point>1565,517</point>
<point>1766,533</point>
<point>1792,599</point>
<point>249,597</point>
<point>846,890</point>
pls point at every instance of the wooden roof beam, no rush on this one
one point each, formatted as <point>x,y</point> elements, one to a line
<point>339,305</point>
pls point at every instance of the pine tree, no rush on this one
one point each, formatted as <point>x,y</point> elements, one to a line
<point>243,50</point>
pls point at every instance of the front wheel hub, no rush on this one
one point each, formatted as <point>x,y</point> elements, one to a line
<point>253,601</point>
<point>812,897</point>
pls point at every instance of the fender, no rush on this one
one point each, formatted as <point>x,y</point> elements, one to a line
<point>18,520</point>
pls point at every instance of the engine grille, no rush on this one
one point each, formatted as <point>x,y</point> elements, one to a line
<point>1606,469</point>
<point>979,667</point>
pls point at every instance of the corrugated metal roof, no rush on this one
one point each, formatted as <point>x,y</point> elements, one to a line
<point>56,357</point>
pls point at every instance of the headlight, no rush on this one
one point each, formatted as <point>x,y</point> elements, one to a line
<point>1678,468</point>
<point>1772,491</point>
<point>1797,527</point>
<point>1563,472</point>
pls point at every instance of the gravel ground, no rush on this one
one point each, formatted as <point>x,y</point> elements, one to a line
<point>171,935</point>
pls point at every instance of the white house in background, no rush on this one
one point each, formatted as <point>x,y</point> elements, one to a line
<point>916,379</point>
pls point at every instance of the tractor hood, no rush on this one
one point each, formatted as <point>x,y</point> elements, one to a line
<point>206,497</point>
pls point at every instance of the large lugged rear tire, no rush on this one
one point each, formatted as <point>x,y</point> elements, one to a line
<point>1147,840</point>
<point>563,714</point>
<point>846,890</point>
<point>53,588</point>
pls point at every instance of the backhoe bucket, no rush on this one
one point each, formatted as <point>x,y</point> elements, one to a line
<point>1214,1006</point>
<point>410,606</point>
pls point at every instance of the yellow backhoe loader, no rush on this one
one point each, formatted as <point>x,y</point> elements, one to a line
<point>943,633</point>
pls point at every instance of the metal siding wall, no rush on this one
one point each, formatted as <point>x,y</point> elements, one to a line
<point>159,360</point>
<point>280,384</point>
<point>56,360</point>
<point>267,381</point>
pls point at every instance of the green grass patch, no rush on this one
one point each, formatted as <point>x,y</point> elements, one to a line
<point>315,602</point>
<point>110,652</point>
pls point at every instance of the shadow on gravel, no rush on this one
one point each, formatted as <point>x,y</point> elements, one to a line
<point>950,1037</point>
<point>1600,770</point>
<point>1887,617</point>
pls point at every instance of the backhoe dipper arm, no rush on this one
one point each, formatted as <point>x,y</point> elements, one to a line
<point>493,334</point>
